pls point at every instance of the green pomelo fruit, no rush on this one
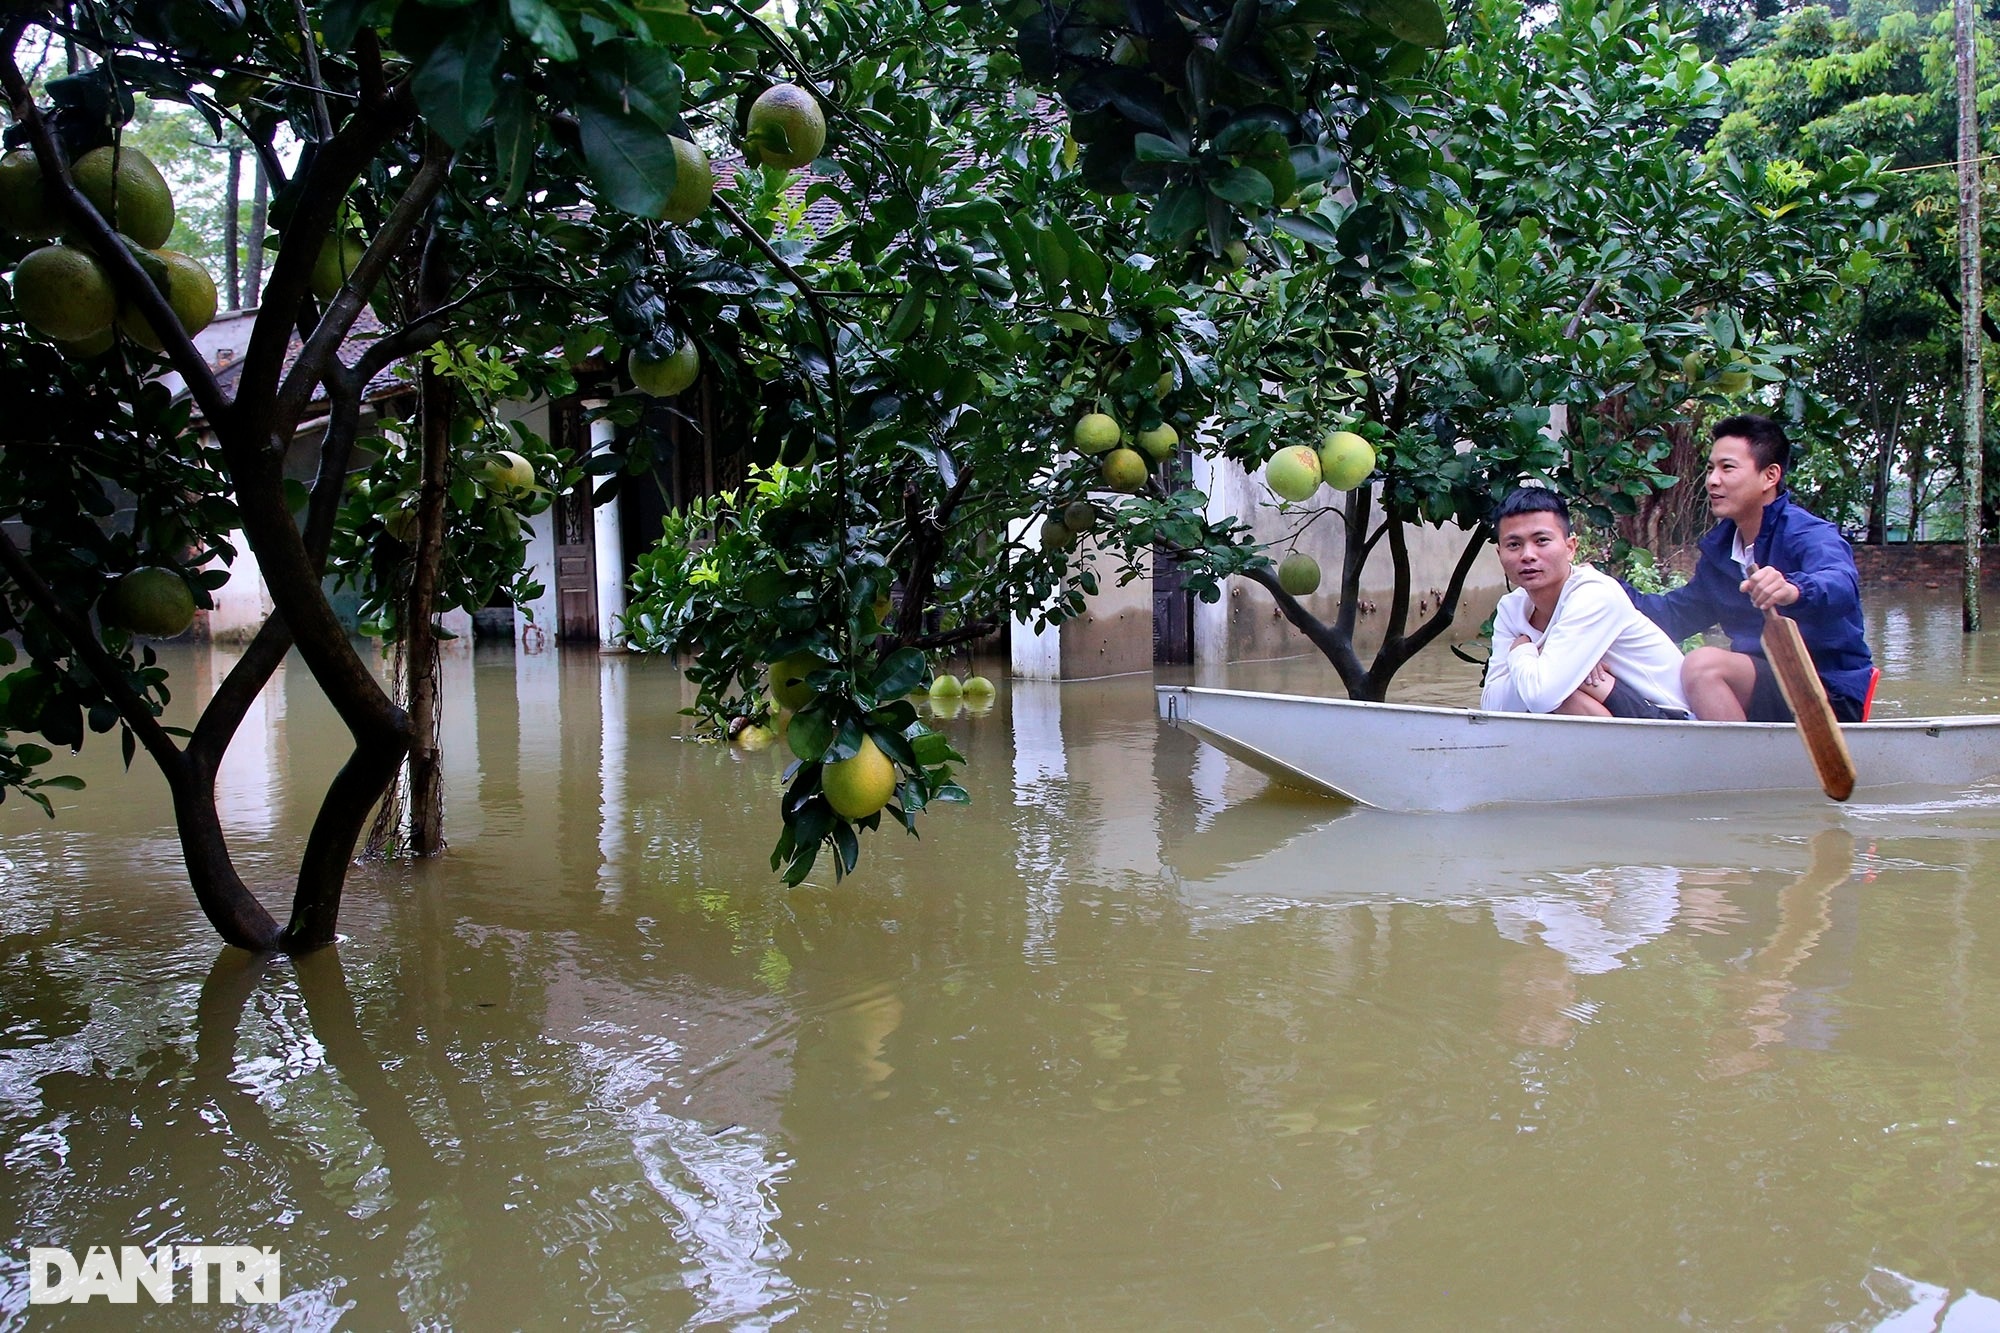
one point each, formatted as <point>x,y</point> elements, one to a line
<point>1095,432</point>
<point>1293,472</point>
<point>1345,460</point>
<point>754,737</point>
<point>337,257</point>
<point>1057,535</point>
<point>151,601</point>
<point>1079,516</point>
<point>788,680</point>
<point>1298,574</point>
<point>861,784</point>
<point>785,129</point>
<point>507,473</point>
<point>978,687</point>
<point>402,524</point>
<point>663,377</point>
<point>64,292</point>
<point>1733,382</point>
<point>125,187</point>
<point>24,206</point>
<point>946,686</point>
<point>85,348</point>
<point>1123,470</point>
<point>1159,442</point>
<point>191,293</point>
<point>694,184</point>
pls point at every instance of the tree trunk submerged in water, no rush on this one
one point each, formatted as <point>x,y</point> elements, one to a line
<point>420,663</point>
<point>1369,681</point>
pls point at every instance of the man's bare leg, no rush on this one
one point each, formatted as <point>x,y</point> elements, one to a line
<point>1581,705</point>
<point>1588,700</point>
<point>1718,683</point>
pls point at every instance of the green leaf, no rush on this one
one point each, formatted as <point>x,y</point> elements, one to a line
<point>514,141</point>
<point>543,27</point>
<point>809,734</point>
<point>455,88</point>
<point>1177,215</point>
<point>846,742</point>
<point>900,673</point>
<point>1418,22</point>
<point>62,782</point>
<point>1311,232</point>
<point>932,749</point>
<point>897,716</point>
<point>1242,185</point>
<point>909,311</point>
<point>642,80</point>
<point>1154,148</point>
<point>1250,126</point>
<point>628,159</point>
<point>766,587</point>
<point>845,846</point>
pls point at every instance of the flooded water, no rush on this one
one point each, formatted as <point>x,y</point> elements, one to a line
<point>1132,1042</point>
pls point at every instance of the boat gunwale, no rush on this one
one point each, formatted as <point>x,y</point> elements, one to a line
<point>1480,716</point>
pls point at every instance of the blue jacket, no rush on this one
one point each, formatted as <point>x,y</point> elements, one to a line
<point>1812,554</point>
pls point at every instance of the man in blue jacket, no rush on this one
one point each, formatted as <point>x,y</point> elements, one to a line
<point>1766,551</point>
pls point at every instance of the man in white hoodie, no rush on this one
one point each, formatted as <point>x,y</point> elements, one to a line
<point>1567,639</point>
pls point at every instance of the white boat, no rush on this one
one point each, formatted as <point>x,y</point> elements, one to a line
<point>1413,758</point>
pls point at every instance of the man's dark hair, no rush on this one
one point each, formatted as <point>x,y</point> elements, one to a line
<point>1767,439</point>
<point>1533,500</point>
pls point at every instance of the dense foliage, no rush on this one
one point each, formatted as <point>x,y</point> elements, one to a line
<point>503,168</point>
<point>1812,86</point>
<point>1590,282</point>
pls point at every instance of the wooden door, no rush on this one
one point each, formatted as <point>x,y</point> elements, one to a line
<point>1173,613</point>
<point>576,538</point>
<point>1173,604</point>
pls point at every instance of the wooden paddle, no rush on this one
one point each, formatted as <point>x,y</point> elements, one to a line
<point>1786,652</point>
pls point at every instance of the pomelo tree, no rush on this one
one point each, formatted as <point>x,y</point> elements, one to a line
<point>510,167</point>
<point>1005,299</point>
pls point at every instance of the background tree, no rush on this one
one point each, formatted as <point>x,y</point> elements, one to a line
<point>1813,86</point>
<point>1590,277</point>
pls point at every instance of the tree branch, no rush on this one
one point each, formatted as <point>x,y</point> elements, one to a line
<point>334,169</point>
<point>1455,588</point>
<point>1337,647</point>
<point>341,312</point>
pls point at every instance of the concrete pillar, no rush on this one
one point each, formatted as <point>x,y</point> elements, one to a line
<point>613,797</point>
<point>609,557</point>
<point>1228,489</point>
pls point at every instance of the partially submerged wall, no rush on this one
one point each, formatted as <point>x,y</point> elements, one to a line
<point>1922,565</point>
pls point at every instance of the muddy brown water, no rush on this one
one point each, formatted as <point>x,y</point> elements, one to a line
<point>1132,1042</point>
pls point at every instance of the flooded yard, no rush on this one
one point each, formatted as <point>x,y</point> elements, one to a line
<point>1134,1041</point>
